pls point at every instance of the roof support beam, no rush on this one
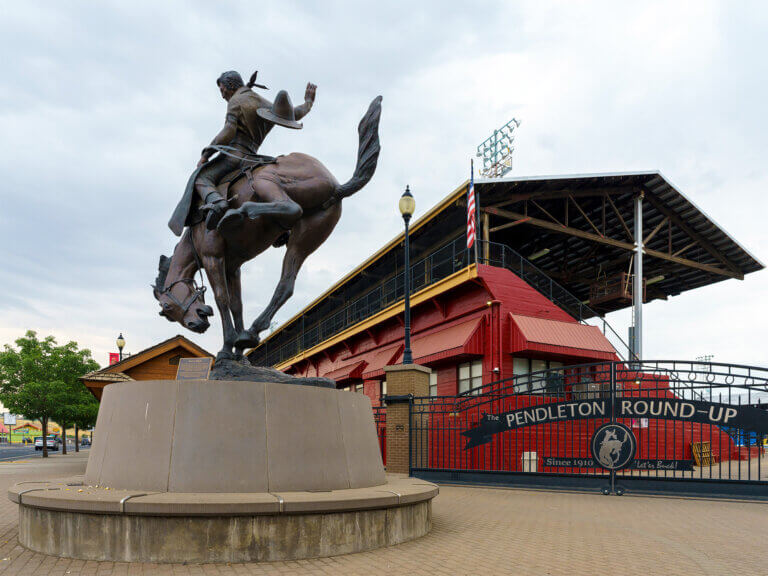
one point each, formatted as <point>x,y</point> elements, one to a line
<point>655,230</point>
<point>612,242</point>
<point>685,248</point>
<point>714,252</point>
<point>545,212</point>
<point>563,193</point>
<point>508,224</point>
<point>585,216</point>
<point>693,264</point>
<point>621,219</point>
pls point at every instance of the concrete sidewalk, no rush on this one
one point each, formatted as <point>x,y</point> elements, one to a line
<point>484,531</point>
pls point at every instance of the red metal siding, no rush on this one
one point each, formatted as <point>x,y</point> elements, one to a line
<point>437,339</point>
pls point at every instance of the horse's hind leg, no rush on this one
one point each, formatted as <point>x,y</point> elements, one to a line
<point>308,234</point>
<point>291,265</point>
<point>236,305</point>
<point>273,203</point>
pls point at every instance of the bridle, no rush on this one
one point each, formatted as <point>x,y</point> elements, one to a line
<point>197,291</point>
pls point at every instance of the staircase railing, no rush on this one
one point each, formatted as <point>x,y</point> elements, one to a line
<point>503,256</point>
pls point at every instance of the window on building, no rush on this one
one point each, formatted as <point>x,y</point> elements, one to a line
<point>537,380</point>
<point>433,384</point>
<point>521,367</point>
<point>359,387</point>
<point>471,377</point>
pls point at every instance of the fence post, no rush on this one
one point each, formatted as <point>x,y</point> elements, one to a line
<point>406,438</point>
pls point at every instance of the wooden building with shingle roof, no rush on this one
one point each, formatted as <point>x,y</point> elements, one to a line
<point>158,362</point>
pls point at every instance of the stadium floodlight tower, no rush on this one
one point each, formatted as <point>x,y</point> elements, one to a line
<point>496,151</point>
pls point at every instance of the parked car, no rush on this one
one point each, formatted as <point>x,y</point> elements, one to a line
<point>53,443</point>
<point>85,441</point>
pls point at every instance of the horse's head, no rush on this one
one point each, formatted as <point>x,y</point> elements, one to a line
<point>181,300</point>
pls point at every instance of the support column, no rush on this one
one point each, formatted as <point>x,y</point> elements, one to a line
<point>404,381</point>
<point>637,283</point>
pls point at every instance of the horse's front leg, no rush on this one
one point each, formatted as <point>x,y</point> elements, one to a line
<point>292,262</point>
<point>215,267</point>
<point>236,305</point>
<point>307,235</point>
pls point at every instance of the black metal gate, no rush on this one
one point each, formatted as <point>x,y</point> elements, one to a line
<point>662,426</point>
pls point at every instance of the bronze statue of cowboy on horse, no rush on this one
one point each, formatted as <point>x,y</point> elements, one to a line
<point>240,203</point>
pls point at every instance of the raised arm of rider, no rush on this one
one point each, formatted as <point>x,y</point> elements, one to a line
<point>309,98</point>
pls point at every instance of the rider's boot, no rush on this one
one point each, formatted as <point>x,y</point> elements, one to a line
<point>215,206</point>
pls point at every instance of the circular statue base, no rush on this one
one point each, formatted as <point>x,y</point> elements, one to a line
<point>76,521</point>
<point>225,471</point>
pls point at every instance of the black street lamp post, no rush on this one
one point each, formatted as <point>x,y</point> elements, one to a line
<point>407,207</point>
<point>121,345</point>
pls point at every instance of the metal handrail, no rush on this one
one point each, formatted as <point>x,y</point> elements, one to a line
<point>556,293</point>
<point>438,264</point>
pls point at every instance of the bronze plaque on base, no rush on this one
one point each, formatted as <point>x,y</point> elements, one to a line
<point>194,368</point>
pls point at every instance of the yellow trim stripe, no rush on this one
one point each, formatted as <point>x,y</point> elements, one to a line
<point>455,279</point>
<point>428,217</point>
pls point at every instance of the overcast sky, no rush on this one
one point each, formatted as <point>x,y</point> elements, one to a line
<point>105,106</point>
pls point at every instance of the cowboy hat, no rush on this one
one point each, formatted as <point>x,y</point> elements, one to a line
<point>281,112</point>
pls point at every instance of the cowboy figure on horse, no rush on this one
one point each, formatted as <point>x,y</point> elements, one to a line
<point>238,204</point>
<point>249,119</point>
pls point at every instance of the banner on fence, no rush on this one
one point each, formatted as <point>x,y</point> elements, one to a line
<point>743,417</point>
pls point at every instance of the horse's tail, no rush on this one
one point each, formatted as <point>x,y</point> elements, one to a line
<point>367,152</point>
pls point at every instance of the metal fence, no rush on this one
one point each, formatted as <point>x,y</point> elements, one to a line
<point>380,420</point>
<point>691,426</point>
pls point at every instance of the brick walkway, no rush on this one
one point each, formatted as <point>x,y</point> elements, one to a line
<point>485,531</point>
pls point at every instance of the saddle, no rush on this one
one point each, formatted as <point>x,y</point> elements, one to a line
<point>196,215</point>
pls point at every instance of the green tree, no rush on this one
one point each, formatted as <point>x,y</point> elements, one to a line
<point>87,409</point>
<point>39,379</point>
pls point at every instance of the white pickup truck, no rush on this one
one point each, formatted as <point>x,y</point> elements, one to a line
<point>52,441</point>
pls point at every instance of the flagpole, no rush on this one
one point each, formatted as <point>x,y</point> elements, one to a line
<point>477,205</point>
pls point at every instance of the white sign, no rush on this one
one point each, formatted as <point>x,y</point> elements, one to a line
<point>9,419</point>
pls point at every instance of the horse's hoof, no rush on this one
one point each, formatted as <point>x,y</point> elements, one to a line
<point>223,355</point>
<point>246,340</point>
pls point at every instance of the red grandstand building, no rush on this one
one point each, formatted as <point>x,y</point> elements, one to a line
<point>555,255</point>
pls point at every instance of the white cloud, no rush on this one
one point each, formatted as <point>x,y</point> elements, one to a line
<point>105,108</point>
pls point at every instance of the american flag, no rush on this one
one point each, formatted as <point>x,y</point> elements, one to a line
<point>471,208</point>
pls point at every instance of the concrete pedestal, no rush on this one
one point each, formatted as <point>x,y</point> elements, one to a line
<point>208,471</point>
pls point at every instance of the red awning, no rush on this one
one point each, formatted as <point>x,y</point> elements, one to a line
<point>557,337</point>
<point>455,340</point>
<point>377,359</point>
<point>348,371</point>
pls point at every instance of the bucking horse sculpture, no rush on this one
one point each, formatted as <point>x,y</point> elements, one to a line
<point>305,181</point>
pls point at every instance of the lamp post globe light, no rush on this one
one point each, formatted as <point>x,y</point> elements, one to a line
<point>121,345</point>
<point>407,207</point>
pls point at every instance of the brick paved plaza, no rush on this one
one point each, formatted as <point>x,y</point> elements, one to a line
<point>485,531</point>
